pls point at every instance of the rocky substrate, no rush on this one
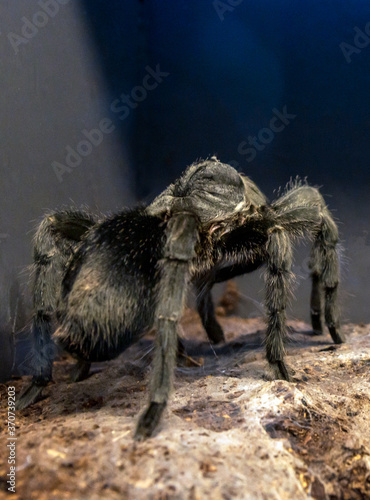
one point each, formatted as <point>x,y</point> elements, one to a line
<point>230,431</point>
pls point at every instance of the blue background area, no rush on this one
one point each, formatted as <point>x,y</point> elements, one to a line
<point>227,75</point>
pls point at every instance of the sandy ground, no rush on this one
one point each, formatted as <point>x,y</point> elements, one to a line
<point>230,432</point>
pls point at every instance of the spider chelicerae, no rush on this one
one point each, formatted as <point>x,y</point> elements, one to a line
<point>106,281</point>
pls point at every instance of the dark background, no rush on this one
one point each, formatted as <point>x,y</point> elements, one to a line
<point>229,66</point>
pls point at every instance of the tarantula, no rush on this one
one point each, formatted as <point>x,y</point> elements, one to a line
<point>108,281</point>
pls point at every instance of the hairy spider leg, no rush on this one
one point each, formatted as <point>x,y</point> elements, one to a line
<point>181,238</point>
<point>296,213</point>
<point>278,283</point>
<point>55,241</point>
<point>324,265</point>
<point>206,312</point>
<point>204,300</point>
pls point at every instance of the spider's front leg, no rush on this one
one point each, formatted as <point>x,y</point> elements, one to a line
<point>182,235</point>
<point>278,287</point>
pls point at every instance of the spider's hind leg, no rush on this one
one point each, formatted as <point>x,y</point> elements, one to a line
<point>80,370</point>
<point>303,208</point>
<point>39,360</point>
<point>205,304</point>
<point>317,300</point>
<point>207,315</point>
<point>324,265</point>
<point>56,238</point>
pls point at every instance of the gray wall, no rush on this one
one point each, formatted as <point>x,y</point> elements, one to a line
<point>51,89</point>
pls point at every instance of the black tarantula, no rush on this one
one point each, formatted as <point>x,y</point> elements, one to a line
<point>108,281</point>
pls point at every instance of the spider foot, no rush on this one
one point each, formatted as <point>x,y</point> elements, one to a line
<point>215,333</point>
<point>317,323</point>
<point>80,371</point>
<point>30,395</point>
<point>149,421</point>
<point>337,335</point>
<point>280,371</point>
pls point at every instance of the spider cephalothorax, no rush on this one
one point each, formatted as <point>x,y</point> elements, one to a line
<point>108,281</point>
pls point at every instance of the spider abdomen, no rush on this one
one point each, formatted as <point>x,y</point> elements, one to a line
<point>114,269</point>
